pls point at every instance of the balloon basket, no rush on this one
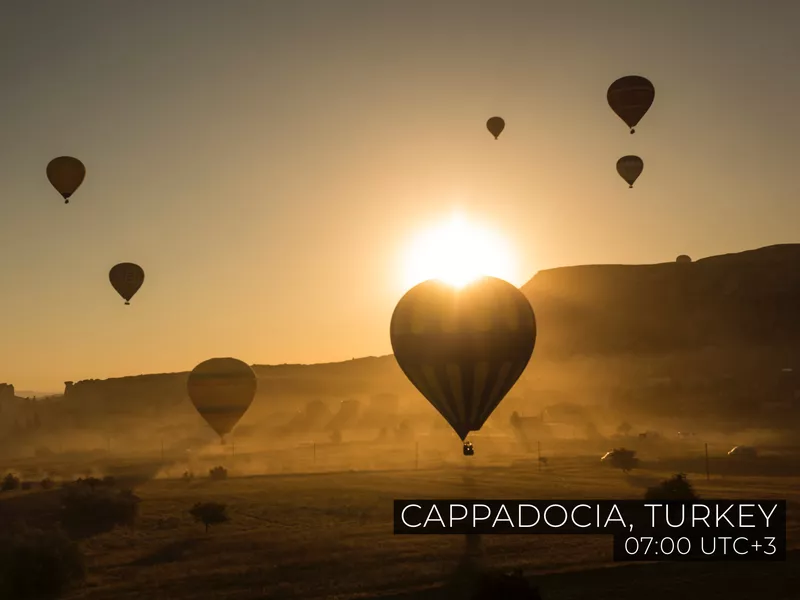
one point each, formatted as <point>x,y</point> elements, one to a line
<point>469,450</point>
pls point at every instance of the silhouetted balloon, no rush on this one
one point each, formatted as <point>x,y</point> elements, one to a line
<point>126,278</point>
<point>222,390</point>
<point>683,258</point>
<point>495,125</point>
<point>66,174</point>
<point>463,349</point>
<point>630,98</point>
<point>629,168</point>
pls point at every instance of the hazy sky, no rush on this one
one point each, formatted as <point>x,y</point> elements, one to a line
<point>267,162</point>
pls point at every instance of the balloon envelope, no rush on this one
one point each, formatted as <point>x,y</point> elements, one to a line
<point>126,278</point>
<point>683,258</point>
<point>222,390</point>
<point>66,174</point>
<point>495,125</point>
<point>629,168</point>
<point>463,348</point>
<point>630,98</point>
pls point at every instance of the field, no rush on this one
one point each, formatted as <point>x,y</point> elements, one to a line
<point>329,535</point>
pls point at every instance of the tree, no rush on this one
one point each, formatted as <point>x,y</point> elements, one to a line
<point>37,564</point>
<point>10,482</point>
<point>623,459</point>
<point>210,513</point>
<point>624,428</point>
<point>218,473</point>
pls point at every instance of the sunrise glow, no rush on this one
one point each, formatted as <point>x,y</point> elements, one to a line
<point>457,252</point>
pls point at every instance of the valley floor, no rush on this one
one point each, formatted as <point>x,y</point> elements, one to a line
<point>329,536</point>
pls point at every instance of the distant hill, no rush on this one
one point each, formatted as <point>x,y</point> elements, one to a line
<point>744,299</point>
<point>663,338</point>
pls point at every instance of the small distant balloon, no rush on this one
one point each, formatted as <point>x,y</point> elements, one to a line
<point>66,174</point>
<point>630,98</point>
<point>126,278</point>
<point>629,168</point>
<point>495,125</point>
<point>683,258</point>
<point>222,390</point>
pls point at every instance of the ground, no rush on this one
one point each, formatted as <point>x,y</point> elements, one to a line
<point>329,536</point>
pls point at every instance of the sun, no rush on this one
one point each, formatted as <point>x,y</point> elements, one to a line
<point>457,252</point>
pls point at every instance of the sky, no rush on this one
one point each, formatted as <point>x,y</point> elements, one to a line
<point>270,163</point>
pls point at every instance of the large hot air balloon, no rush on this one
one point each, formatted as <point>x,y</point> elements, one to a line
<point>66,174</point>
<point>683,258</point>
<point>222,390</point>
<point>495,125</point>
<point>126,278</point>
<point>629,168</point>
<point>463,348</point>
<point>631,97</point>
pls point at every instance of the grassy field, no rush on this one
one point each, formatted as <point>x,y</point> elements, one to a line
<point>329,535</point>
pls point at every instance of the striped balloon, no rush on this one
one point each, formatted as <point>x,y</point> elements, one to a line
<point>126,279</point>
<point>66,174</point>
<point>630,98</point>
<point>463,348</point>
<point>222,390</point>
<point>629,168</point>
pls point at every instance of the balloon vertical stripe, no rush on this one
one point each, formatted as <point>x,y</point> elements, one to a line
<point>463,349</point>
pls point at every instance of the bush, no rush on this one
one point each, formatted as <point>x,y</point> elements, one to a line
<point>36,564</point>
<point>675,488</point>
<point>47,483</point>
<point>10,482</point>
<point>210,513</point>
<point>94,482</point>
<point>623,459</point>
<point>90,510</point>
<point>188,475</point>
<point>26,485</point>
<point>218,473</point>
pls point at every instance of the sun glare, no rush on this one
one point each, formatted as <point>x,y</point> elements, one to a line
<point>458,252</point>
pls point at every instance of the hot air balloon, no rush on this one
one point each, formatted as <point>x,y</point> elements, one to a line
<point>222,390</point>
<point>683,258</point>
<point>126,278</point>
<point>629,168</point>
<point>495,125</point>
<point>66,175</point>
<point>630,98</point>
<point>463,348</point>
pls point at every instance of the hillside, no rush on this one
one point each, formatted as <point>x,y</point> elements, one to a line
<point>744,299</point>
<point>710,338</point>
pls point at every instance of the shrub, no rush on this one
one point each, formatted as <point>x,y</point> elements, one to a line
<point>47,483</point>
<point>26,485</point>
<point>94,482</point>
<point>188,475</point>
<point>10,482</point>
<point>675,488</point>
<point>36,564</point>
<point>89,510</point>
<point>622,459</point>
<point>218,473</point>
<point>210,513</point>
